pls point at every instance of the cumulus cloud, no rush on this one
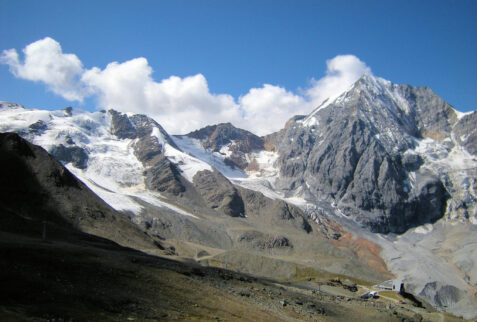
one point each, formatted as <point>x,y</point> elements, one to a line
<point>266,109</point>
<point>179,104</point>
<point>342,71</point>
<point>45,62</point>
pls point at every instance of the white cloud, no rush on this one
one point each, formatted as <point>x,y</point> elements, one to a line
<point>342,71</point>
<point>179,104</point>
<point>266,109</point>
<point>45,62</point>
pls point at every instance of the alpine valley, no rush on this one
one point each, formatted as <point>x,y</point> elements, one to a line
<point>377,184</point>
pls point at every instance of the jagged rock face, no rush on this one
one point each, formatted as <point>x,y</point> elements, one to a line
<point>219,193</point>
<point>216,136</point>
<point>163,176</point>
<point>121,126</point>
<point>350,152</point>
<point>429,114</point>
<point>258,240</point>
<point>273,211</point>
<point>38,128</point>
<point>73,154</point>
<point>234,201</point>
<point>466,132</point>
<point>160,173</point>
<point>147,149</point>
<point>137,126</point>
<point>239,142</point>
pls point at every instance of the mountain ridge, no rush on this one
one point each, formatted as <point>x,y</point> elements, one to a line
<point>363,130</point>
<point>381,160</point>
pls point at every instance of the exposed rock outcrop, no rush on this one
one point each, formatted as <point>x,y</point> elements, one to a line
<point>38,128</point>
<point>465,132</point>
<point>73,154</point>
<point>219,193</point>
<point>273,211</point>
<point>160,174</point>
<point>163,176</point>
<point>235,141</point>
<point>261,241</point>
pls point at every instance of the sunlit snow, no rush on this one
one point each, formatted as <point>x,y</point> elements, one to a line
<point>198,158</point>
<point>113,172</point>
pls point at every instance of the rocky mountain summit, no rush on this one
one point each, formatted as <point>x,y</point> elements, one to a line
<point>370,151</point>
<point>232,142</point>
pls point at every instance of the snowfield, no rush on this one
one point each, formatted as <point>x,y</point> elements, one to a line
<point>113,172</point>
<point>201,159</point>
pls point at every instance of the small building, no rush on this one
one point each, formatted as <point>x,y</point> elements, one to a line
<point>397,286</point>
<point>392,285</point>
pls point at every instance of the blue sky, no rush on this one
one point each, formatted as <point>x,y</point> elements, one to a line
<point>221,51</point>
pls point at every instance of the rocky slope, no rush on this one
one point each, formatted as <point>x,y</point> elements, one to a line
<point>37,192</point>
<point>229,141</point>
<point>392,159</point>
<point>367,152</point>
<point>76,272</point>
<point>138,169</point>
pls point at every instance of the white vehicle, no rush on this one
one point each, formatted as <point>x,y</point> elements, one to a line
<point>369,295</point>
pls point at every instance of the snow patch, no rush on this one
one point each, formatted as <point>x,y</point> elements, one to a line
<point>101,187</point>
<point>187,163</point>
<point>198,155</point>
<point>226,151</point>
<point>424,229</point>
<point>16,119</point>
<point>266,161</point>
<point>155,199</point>
<point>311,121</point>
<point>157,133</point>
<point>456,168</point>
<point>462,114</point>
